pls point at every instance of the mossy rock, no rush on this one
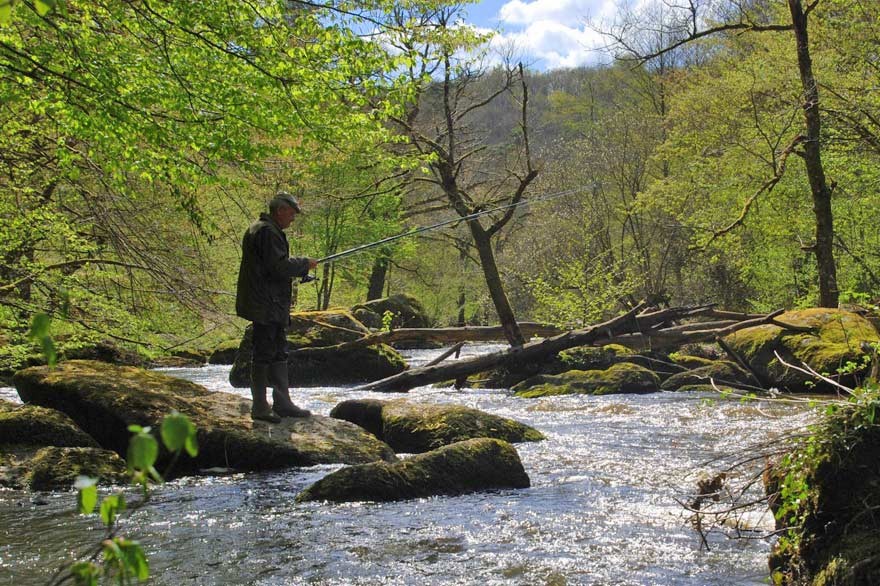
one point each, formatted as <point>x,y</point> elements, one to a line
<point>103,351</point>
<point>417,428</point>
<point>689,362</point>
<point>313,329</point>
<point>723,372</point>
<point>464,467</point>
<point>407,311</point>
<point>224,353</point>
<point>619,378</point>
<point>834,342</point>
<point>55,468</point>
<point>593,357</point>
<point>314,359</point>
<point>578,358</point>
<point>104,400</point>
<point>39,426</point>
<point>833,491</point>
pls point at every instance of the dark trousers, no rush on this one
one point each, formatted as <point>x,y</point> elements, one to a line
<point>270,344</point>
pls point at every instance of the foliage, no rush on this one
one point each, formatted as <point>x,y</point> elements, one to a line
<point>124,559</point>
<point>126,127</point>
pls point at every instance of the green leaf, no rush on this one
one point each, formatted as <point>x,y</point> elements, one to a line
<point>85,573</point>
<point>44,6</point>
<point>135,559</point>
<point>178,432</point>
<point>87,495</point>
<point>39,326</point>
<point>110,507</point>
<point>5,12</point>
<point>143,449</point>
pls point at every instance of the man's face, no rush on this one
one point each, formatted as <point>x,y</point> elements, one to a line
<point>284,216</point>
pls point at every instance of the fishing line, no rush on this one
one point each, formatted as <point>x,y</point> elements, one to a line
<point>419,230</point>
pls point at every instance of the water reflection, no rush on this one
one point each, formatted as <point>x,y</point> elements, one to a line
<point>601,509</point>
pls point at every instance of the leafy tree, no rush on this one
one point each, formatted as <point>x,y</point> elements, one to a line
<point>124,127</point>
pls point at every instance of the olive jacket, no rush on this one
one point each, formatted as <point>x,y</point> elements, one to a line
<point>264,278</point>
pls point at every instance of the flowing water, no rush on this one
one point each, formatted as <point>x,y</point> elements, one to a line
<point>602,508</point>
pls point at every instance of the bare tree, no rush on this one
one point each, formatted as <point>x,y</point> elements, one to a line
<point>447,125</point>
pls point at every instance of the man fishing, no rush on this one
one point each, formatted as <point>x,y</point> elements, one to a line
<point>263,297</point>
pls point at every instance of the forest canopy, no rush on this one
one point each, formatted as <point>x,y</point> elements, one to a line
<point>139,139</point>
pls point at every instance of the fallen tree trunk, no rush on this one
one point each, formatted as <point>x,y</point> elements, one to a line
<point>444,335</point>
<point>634,327</point>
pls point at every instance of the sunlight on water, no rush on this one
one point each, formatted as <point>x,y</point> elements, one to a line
<point>602,508</point>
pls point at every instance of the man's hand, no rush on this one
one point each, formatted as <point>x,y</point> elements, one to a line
<point>313,262</point>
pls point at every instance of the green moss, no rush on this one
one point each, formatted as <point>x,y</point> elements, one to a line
<point>57,468</point>
<point>463,467</point>
<point>619,378</point>
<point>690,362</point>
<point>833,343</point>
<point>720,371</point>
<point>417,428</point>
<point>827,489</point>
<point>39,426</point>
<point>593,357</point>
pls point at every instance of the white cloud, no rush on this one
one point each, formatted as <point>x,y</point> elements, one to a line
<point>555,33</point>
<point>571,12</point>
<point>553,44</point>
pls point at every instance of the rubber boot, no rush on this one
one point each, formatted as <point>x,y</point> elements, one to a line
<point>281,403</point>
<point>260,410</point>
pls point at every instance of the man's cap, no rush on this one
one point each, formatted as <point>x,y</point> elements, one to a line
<point>284,198</point>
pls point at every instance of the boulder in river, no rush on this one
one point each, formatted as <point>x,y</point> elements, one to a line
<point>417,428</point>
<point>406,312</point>
<point>316,334</point>
<point>104,400</point>
<point>43,449</point>
<point>722,372</point>
<point>834,342</point>
<point>469,466</point>
<point>225,352</point>
<point>618,378</point>
<point>54,468</point>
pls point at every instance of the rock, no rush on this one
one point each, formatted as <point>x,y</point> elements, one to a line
<point>104,351</point>
<point>722,372</point>
<point>39,426</point>
<point>412,428</point>
<point>824,497</point>
<point>43,449</point>
<point>619,378</point>
<point>835,342</point>
<point>369,318</point>
<point>463,467</point>
<point>104,400</point>
<point>578,358</point>
<point>56,468</point>
<point>317,332</point>
<point>224,352</point>
<point>406,310</point>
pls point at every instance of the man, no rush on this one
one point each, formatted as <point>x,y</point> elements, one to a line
<point>263,297</point>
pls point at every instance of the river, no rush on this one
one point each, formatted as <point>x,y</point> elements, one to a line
<point>601,510</point>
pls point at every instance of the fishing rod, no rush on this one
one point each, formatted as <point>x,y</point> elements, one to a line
<point>419,230</point>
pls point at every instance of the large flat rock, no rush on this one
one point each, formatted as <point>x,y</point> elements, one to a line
<point>104,400</point>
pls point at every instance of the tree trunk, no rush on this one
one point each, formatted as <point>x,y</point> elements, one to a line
<point>483,243</point>
<point>378,275</point>
<point>823,248</point>
<point>641,326</point>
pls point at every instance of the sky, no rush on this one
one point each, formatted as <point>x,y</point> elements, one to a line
<point>551,34</point>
